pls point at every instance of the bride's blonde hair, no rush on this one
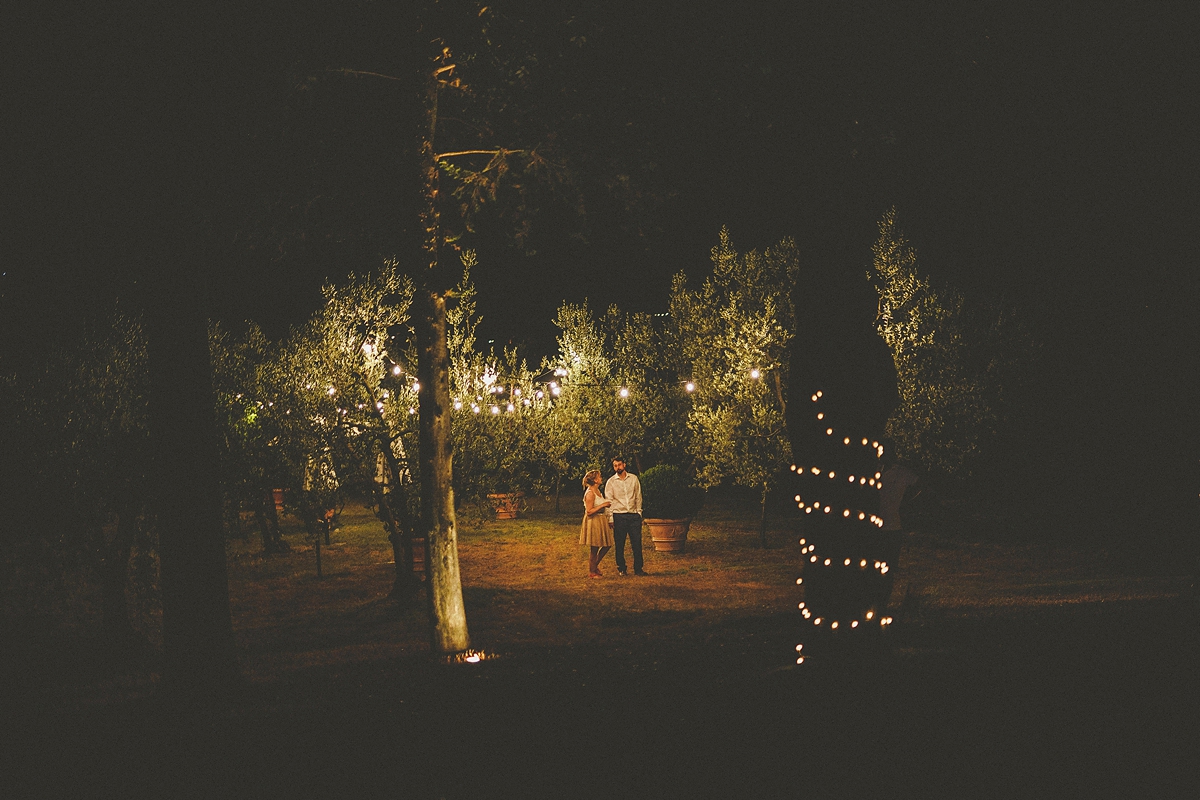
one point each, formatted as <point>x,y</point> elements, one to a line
<point>587,479</point>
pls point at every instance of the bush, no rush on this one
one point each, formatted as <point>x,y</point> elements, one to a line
<point>668,494</point>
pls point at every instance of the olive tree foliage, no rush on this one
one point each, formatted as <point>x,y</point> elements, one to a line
<point>732,337</point>
<point>78,423</point>
<point>252,455</point>
<point>617,393</point>
<point>957,363</point>
<point>500,414</point>
<point>350,398</point>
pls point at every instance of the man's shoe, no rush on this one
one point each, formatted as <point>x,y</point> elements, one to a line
<point>622,573</point>
<point>639,572</point>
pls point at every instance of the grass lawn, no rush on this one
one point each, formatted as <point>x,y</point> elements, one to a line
<point>1012,671</point>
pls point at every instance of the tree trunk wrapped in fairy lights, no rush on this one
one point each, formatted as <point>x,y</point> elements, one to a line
<point>843,389</point>
<point>846,574</point>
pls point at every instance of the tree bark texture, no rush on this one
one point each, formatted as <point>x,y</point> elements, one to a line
<point>448,618</point>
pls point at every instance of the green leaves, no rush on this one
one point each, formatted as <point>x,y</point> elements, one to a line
<point>732,336</point>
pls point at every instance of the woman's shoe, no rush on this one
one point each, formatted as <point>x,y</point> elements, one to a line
<point>595,575</point>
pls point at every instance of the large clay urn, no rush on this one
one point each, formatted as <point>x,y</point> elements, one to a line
<point>668,535</point>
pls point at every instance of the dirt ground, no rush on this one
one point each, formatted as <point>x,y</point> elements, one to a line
<point>1012,671</point>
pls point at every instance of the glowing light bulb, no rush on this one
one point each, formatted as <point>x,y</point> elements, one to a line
<point>819,393</point>
<point>864,442</point>
<point>832,474</point>
<point>495,409</point>
<point>827,509</point>
<point>793,467</point>
<point>803,541</point>
<point>814,398</point>
<point>821,416</point>
<point>539,395</point>
<point>833,625</point>
<point>332,391</point>
<point>874,444</point>
<point>827,562</point>
<point>851,479</point>
<point>799,581</point>
<point>871,482</point>
<point>862,481</point>
<point>854,624</point>
<point>817,621</point>
<point>473,659</point>
<point>623,392</point>
<point>396,370</point>
<point>863,563</point>
<point>416,386</point>
<point>797,498</point>
<point>878,476</point>
<point>800,660</point>
<point>511,408</point>
<point>846,440</point>
<point>754,373</point>
<point>474,408</point>
<point>689,386</point>
<point>861,515</point>
<point>847,562</point>
<point>845,512</point>
<point>554,390</point>
<point>813,559</point>
<point>829,431</point>
<point>801,606</point>
<point>379,405</point>
<point>816,471</point>
<point>458,405</point>
<point>808,510</point>
<point>870,614</point>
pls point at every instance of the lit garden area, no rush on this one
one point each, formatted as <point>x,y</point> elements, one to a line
<point>1009,665</point>
<point>340,344</point>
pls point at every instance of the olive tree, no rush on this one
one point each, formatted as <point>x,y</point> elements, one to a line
<point>732,337</point>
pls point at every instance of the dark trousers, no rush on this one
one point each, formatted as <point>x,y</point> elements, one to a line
<point>628,525</point>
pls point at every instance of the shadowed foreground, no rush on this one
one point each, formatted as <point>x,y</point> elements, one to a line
<point>1008,677</point>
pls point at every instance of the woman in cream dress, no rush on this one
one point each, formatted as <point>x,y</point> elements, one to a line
<point>596,531</point>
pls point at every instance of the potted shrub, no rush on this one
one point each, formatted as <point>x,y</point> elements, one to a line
<point>669,501</point>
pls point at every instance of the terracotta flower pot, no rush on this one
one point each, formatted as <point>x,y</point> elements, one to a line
<point>507,505</point>
<point>669,535</point>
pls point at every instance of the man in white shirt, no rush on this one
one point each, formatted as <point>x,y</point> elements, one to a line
<point>625,493</point>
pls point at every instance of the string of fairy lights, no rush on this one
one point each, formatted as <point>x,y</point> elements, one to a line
<point>880,568</point>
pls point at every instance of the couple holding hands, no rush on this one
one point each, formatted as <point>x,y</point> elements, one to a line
<point>617,513</point>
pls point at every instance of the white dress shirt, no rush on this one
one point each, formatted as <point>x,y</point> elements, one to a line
<point>626,495</point>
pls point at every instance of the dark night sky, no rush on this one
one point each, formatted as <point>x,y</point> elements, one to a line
<point>1043,152</point>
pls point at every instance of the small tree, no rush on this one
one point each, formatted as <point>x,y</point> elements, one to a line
<point>350,406</point>
<point>955,362</point>
<point>732,337</point>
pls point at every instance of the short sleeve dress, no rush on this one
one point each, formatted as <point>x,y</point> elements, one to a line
<point>596,530</point>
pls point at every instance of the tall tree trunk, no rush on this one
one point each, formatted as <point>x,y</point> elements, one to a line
<point>557,492</point>
<point>447,614</point>
<point>198,646</point>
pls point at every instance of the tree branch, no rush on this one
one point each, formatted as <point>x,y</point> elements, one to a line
<point>441,156</point>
